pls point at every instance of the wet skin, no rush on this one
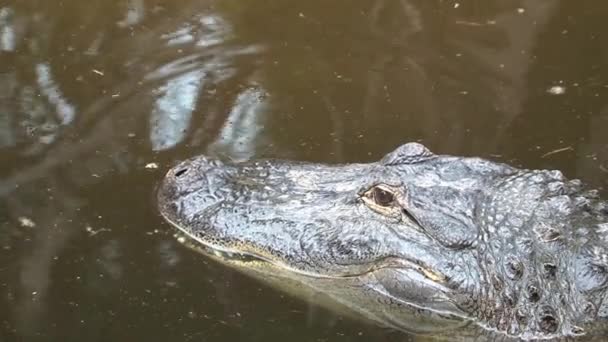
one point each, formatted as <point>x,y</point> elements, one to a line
<point>416,241</point>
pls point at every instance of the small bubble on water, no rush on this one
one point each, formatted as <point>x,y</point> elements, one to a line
<point>556,90</point>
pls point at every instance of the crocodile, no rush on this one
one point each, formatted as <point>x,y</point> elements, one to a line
<point>417,241</point>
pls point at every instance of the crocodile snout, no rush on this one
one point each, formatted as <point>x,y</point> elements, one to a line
<point>190,186</point>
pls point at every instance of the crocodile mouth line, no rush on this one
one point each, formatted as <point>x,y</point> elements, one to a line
<point>222,253</point>
<point>247,259</point>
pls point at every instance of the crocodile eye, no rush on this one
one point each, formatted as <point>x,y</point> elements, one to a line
<point>382,197</point>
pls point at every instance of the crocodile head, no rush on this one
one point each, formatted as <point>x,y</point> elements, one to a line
<point>465,239</point>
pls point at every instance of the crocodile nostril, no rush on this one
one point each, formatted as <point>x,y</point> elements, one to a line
<point>181,172</point>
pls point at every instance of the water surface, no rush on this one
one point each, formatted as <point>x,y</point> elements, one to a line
<point>98,98</point>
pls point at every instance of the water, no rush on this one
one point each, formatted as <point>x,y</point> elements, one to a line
<point>99,98</point>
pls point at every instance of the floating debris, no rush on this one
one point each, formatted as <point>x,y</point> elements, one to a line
<point>556,90</point>
<point>559,150</point>
<point>151,166</point>
<point>93,232</point>
<point>26,222</point>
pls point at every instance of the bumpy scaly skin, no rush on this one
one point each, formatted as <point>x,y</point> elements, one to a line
<point>520,252</point>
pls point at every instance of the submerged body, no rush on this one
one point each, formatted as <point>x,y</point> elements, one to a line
<point>415,241</point>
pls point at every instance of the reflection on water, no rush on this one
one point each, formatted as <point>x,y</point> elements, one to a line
<point>53,95</point>
<point>92,94</point>
<point>7,31</point>
<point>172,114</point>
<point>241,136</point>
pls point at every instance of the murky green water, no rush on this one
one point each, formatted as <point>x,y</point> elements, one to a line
<point>98,98</point>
